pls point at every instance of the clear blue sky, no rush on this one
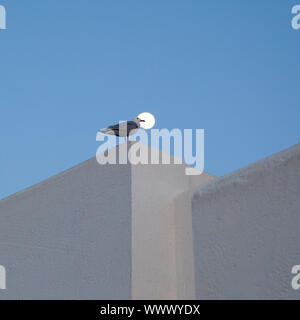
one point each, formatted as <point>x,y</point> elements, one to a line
<point>69,68</point>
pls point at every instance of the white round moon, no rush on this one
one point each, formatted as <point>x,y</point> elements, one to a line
<point>149,120</point>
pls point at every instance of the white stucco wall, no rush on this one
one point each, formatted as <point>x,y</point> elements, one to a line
<point>246,229</point>
<point>99,232</point>
<point>184,255</point>
<point>70,236</point>
<point>143,232</point>
<point>157,224</point>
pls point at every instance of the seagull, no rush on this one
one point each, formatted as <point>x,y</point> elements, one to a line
<point>123,129</point>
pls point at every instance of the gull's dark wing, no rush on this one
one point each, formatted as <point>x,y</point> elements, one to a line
<point>114,127</point>
<point>117,128</point>
<point>131,125</point>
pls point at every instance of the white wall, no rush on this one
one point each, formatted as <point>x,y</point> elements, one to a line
<point>99,232</point>
<point>157,228</point>
<point>184,255</point>
<point>121,231</point>
<point>246,230</point>
<point>70,236</point>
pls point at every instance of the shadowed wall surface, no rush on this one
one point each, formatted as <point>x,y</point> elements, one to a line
<point>69,237</point>
<point>246,231</point>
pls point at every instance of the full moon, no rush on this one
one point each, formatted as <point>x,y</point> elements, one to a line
<point>149,120</point>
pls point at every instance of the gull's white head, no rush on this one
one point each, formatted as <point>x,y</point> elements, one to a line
<point>137,120</point>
